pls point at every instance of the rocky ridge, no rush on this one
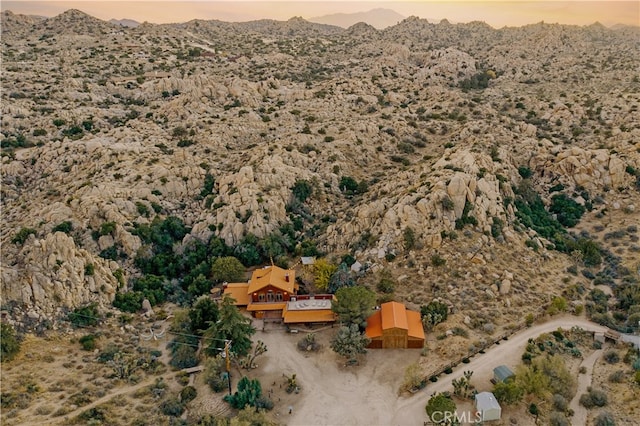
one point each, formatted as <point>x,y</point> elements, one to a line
<point>106,111</point>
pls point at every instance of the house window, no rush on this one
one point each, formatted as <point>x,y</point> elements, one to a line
<point>278,297</point>
<point>270,296</point>
<point>261,297</point>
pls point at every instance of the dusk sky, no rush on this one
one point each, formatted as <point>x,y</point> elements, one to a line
<point>495,13</point>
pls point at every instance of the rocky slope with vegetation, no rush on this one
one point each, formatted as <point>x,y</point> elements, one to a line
<point>490,169</point>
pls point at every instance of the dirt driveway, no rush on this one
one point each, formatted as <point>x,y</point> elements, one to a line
<point>368,394</point>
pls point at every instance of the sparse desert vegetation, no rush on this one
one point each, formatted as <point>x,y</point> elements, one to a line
<point>487,178</point>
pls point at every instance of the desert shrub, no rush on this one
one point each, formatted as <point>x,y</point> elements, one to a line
<point>172,407</point>
<point>598,397</point>
<point>187,394</point>
<point>434,313</point>
<point>308,343</point>
<point>88,342</point>
<point>95,415</point>
<point>593,398</point>
<point>301,190</point>
<point>214,374</point>
<point>65,227</point>
<point>85,316</point>
<point>130,301</point>
<point>437,260</point>
<point>89,269</point>
<point>386,284</point>
<point>605,418</point>
<point>439,405</point>
<point>617,376</point>
<point>22,235</point>
<point>611,356</point>
<point>558,419</point>
<point>508,392</point>
<point>560,402</point>
<point>459,331</point>
<point>525,172</point>
<point>107,228</point>
<point>9,342</point>
<point>184,357</point>
<point>558,304</point>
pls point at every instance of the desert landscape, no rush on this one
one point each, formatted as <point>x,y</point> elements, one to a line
<point>486,178</point>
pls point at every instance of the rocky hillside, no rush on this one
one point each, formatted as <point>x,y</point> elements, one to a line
<point>420,145</point>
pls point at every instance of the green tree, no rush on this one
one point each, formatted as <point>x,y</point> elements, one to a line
<point>203,312</point>
<point>301,190</point>
<point>9,343</point>
<point>248,394</point>
<point>247,250</point>
<point>341,278</point>
<point>231,325</point>
<point>323,270</point>
<point>567,211</point>
<point>131,301</point>
<point>350,342</point>
<point>354,305</point>
<point>533,382</point>
<point>508,392</point>
<point>227,269</point>
<point>441,409</point>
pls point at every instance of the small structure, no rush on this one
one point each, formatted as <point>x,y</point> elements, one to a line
<point>308,260</point>
<point>393,326</point>
<point>271,295</point>
<point>501,374</point>
<point>487,407</point>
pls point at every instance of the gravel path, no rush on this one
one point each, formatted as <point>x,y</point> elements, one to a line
<point>584,381</point>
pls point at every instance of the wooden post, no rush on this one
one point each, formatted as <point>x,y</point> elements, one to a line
<point>227,343</point>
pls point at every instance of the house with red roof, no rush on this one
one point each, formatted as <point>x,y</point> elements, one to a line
<point>272,295</point>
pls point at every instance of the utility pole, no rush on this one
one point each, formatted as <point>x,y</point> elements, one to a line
<point>227,344</point>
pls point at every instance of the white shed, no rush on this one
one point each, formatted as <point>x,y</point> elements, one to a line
<point>488,407</point>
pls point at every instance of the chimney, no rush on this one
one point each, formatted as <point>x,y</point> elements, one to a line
<point>286,277</point>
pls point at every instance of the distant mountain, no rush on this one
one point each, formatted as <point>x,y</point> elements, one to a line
<point>377,18</point>
<point>74,21</point>
<point>125,22</point>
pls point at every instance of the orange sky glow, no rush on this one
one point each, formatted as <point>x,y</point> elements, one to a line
<point>495,13</point>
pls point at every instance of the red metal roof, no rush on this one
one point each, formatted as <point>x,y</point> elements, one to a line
<point>283,279</point>
<point>239,292</point>
<point>394,315</point>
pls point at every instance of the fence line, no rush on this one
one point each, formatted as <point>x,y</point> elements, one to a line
<point>481,349</point>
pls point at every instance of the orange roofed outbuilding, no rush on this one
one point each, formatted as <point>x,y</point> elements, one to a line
<point>393,326</point>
